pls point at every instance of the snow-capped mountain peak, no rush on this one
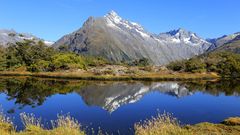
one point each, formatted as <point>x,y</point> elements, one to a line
<point>113,16</point>
<point>177,32</point>
<point>122,40</point>
<point>182,36</point>
<point>182,33</point>
<point>11,36</point>
<point>115,21</point>
<point>113,96</point>
<point>112,13</point>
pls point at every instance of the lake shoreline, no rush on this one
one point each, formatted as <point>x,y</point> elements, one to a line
<point>141,77</point>
<point>163,124</point>
<point>167,125</point>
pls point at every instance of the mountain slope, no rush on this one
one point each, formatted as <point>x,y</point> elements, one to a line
<point>184,37</point>
<point>11,36</point>
<point>218,42</point>
<point>120,40</point>
<point>232,46</point>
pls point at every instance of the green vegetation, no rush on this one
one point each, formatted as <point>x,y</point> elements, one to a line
<point>68,61</point>
<point>227,87</point>
<point>37,57</point>
<point>227,64</point>
<point>106,76</point>
<point>33,92</point>
<point>141,62</point>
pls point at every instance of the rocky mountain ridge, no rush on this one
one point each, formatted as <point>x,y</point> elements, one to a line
<point>11,36</point>
<point>119,40</point>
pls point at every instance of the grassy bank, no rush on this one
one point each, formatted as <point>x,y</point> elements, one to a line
<point>64,125</point>
<point>161,125</point>
<point>91,76</point>
<point>167,125</point>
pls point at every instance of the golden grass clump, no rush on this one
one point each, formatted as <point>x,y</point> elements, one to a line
<point>232,121</point>
<point>163,124</point>
<point>206,128</point>
<point>64,125</point>
<point>6,126</point>
<point>31,122</point>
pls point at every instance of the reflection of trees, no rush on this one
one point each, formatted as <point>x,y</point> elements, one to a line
<point>227,87</point>
<point>33,92</point>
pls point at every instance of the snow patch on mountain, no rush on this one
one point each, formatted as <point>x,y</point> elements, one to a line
<point>115,21</point>
<point>117,39</point>
<point>11,36</point>
<point>170,88</point>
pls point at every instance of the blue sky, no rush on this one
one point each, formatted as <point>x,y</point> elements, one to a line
<point>51,19</point>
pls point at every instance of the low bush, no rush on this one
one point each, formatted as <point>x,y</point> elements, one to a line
<point>226,64</point>
<point>37,57</point>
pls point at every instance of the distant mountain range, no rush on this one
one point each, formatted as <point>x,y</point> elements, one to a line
<point>117,39</point>
<point>227,43</point>
<point>11,36</point>
<point>120,40</point>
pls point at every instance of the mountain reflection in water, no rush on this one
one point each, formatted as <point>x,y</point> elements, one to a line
<point>108,95</point>
<point>116,106</point>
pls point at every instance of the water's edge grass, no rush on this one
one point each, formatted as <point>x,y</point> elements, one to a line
<point>163,124</point>
<point>141,77</point>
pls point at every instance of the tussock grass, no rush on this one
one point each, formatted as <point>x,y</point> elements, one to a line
<point>64,125</point>
<point>67,125</point>
<point>142,77</point>
<point>206,128</point>
<point>163,124</point>
<point>232,121</point>
<point>6,125</point>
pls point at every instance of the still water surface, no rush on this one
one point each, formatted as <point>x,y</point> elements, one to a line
<point>116,106</point>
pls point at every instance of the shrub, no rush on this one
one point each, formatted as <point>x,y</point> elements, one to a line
<point>225,63</point>
<point>177,66</point>
<point>68,60</point>
<point>140,62</point>
<point>229,65</point>
<point>95,61</point>
<point>63,48</point>
<point>195,65</point>
<point>41,66</point>
<point>3,63</point>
